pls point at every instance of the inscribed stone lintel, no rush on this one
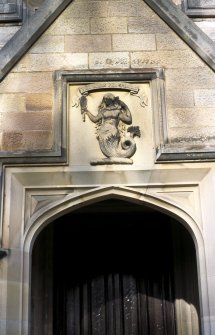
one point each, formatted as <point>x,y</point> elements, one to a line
<point>199,8</point>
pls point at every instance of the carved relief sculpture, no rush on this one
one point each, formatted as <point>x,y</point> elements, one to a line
<point>116,143</point>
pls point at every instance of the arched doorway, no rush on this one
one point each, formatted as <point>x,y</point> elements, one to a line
<point>114,267</point>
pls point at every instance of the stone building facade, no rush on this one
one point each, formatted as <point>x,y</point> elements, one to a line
<point>107,146</point>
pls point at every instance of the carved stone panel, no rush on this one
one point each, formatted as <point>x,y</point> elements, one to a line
<point>111,124</point>
<point>10,10</point>
<point>199,8</point>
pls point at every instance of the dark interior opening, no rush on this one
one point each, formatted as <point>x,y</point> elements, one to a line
<point>113,267</point>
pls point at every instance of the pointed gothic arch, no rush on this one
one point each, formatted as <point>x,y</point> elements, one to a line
<point>70,203</point>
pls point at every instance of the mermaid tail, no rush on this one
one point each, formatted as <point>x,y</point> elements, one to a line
<point>112,147</point>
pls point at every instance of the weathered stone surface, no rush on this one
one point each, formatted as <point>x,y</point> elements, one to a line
<point>25,37</point>
<point>87,43</point>
<point>51,62</point>
<point>117,60</point>
<point>12,102</point>
<point>208,27</point>
<point>38,102</point>
<point>168,59</point>
<point>41,82</point>
<point>48,44</point>
<point>11,11</point>
<point>205,97</point>
<point>179,98</point>
<point>187,78</point>
<point>14,288</point>
<point>6,33</point>
<point>89,8</point>
<point>190,135</point>
<point>37,140</point>
<point>18,122</point>
<point>201,4</point>
<point>191,117</point>
<point>3,292</point>
<point>123,8</point>
<point>185,28</point>
<point>148,24</point>
<point>125,42</point>
<point>169,41</point>
<point>11,141</point>
<point>108,25</point>
<point>177,2</point>
<point>186,125</point>
<point>65,25</point>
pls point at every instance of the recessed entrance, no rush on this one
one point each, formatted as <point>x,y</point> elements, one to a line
<point>114,268</point>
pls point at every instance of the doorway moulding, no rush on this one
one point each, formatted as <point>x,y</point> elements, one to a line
<point>71,202</point>
<point>35,197</point>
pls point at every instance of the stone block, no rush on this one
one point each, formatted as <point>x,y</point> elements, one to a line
<point>210,250</point>
<point>51,62</point>
<point>12,102</point>
<point>37,140</point>
<point>192,135</point>
<point>13,297</point>
<point>110,25</point>
<point>187,78</point>
<point>204,98</point>
<point>18,122</point>
<point>40,82</point>
<point>87,43</point>
<point>65,25</point>
<point>27,141</point>
<point>117,60</point>
<point>212,324</point>
<point>12,326</point>
<point>149,23</point>
<point>2,327</point>
<point>14,270</point>
<point>211,289</point>
<point>38,102</point>
<point>48,44</point>
<point>179,98</point>
<point>195,117</point>
<point>11,141</point>
<point>133,42</point>
<point>168,59</point>
<point>3,297</point>
<point>123,8</point>
<point>87,9</point>
<point>169,41</point>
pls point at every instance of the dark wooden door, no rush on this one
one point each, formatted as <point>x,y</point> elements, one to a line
<point>114,276</point>
<point>114,268</point>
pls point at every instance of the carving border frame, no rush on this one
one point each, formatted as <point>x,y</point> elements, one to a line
<point>197,11</point>
<point>153,76</point>
<point>15,16</point>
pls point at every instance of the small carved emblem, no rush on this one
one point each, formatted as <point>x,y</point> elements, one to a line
<point>116,143</point>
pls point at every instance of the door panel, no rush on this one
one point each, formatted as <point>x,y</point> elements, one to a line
<point>117,278</point>
<point>114,268</point>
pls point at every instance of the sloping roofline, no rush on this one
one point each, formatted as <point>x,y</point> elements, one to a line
<point>28,34</point>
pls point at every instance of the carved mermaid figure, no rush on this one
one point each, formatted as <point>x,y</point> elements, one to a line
<point>116,146</point>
